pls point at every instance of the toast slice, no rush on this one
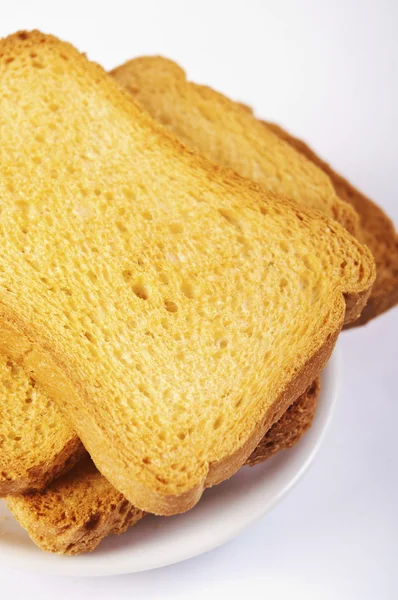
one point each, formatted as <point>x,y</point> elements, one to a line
<point>75,512</point>
<point>172,318</point>
<point>81,508</point>
<point>229,134</point>
<point>35,447</point>
<point>376,230</point>
<point>32,454</point>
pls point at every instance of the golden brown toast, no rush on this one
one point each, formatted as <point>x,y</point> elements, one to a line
<point>376,230</point>
<point>81,508</point>
<point>290,427</point>
<point>35,444</point>
<point>172,318</point>
<point>75,512</point>
<point>229,134</point>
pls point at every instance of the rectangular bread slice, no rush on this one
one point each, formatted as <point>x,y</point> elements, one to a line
<point>33,454</point>
<point>81,508</point>
<point>172,309</point>
<point>229,134</point>
<point>376,230</point>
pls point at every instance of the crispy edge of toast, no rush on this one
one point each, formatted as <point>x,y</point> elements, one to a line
<point>39,476</point>
<point>58,521</point>
<point>293,424</point>
<point>84,534</point>
<point>378,232</point>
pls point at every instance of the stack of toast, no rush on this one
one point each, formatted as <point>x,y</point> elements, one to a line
<point>174,275</point>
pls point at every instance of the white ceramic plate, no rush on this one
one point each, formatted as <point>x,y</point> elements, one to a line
<point>222,513</point>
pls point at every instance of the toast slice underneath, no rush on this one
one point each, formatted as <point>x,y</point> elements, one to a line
<point>36,445</point>
<point>229,134</point>
<point>81,508</point>
<point>376,230</point>
<point>221,129</point>
<point>173,318</point>
<point>290,427</point>
<point>75,512</point>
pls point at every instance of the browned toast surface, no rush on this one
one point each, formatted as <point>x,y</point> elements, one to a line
<point>36,445</point>
<point>376,230</point>
<point>80,508</point>
<point>173,318</point>
<point>290,427</point>
<point>75,512</point>
<point>229,134</point>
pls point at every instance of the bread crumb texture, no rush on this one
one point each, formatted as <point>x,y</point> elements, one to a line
<point>35,443</point>
<point>172,309</point>
<point>81,508</point>
<point>229,134</point>
<point>376,230</point>
<point>75,512</point>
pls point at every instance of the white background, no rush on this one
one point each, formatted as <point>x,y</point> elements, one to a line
<point>328,71</point>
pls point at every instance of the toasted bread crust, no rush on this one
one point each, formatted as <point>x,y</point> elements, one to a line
<point>95,509</point>
<point>57,373</point>
<point>75,512</point>
<point>376,230</point>
<point>290,428</point>
<point>38,477</point>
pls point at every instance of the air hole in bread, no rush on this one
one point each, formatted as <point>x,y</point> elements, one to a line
<point>230,216</point>
<point>92,522</point>
<point>140,290</point>
<point>284,246</point>
<point>144,390</point>
<point>217,422</point>
<point>188,289</point>
<point>170,306</point>
<point>283,283</point>
<point>90,337</point>
<point>121,227</point>
<point>162,480</point>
